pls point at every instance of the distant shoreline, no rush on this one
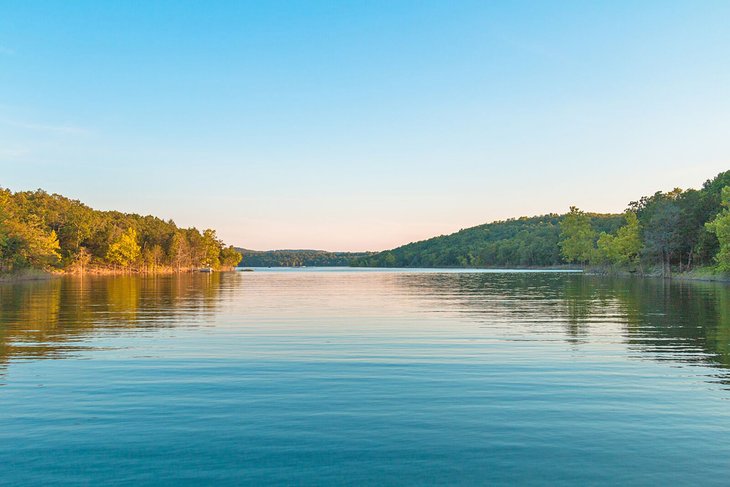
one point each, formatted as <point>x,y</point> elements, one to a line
<point>697,275</point>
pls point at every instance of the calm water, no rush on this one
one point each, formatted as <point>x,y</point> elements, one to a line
<point>332,377</point>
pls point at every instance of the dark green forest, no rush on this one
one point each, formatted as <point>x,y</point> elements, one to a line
<point>298,258</point>
<point>46,231</point>
<point>679,230</point>
<point>523,242</point>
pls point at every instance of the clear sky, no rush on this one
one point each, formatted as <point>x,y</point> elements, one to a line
<point>361,125</point>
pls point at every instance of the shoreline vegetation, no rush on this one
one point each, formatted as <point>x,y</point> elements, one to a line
<point>297,258</point>
<point>44,275</point>
<point>680,234</point>
<point>44,234</point>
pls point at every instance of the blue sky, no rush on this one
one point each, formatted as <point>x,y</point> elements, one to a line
<point>361,125</point>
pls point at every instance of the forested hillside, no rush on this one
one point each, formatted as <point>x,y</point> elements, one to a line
<point>48,231</point>
<point>523,242</point>
<point>679,229</point>
<point>676,230</point>
<point>297,258</point>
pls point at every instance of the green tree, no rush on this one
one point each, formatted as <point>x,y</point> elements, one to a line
<point>24,240</point>
<point>230,257</point>
<point>622,248</point>
<point>42,248</point>
<point>577,236</point>
<point>196,247</point>
<point>661,232</point>
<point>152,257</point>
<point>720,226</point>
<point>179,251</point>
<point>125,251</point>
<point>36,227</point>
<point>211,249</point>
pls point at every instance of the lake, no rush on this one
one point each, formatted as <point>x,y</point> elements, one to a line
<point>356,376</point>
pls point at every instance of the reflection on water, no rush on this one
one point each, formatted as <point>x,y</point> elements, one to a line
<point>683,321</point>
<point>686,321</point>
<point>661,320</point>
<point>332,377</point>
<point>46,319</point>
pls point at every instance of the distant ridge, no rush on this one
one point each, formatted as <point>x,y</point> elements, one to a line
<point>517,242</point>
<point>297,258</point>
<point>678,229</point>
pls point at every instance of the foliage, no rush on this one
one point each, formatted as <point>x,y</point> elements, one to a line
<point>673,226</point>
<point>125,251</point>
<point>624,247</point>
<point>211,249</point>
<point>677,229</point>
<point>664,230</point>
<point>229,257</point>
<point>47,231</point>
<point>520,242</point>
<point>720,227</point>
<point>24,242</point>
<point>577,237</point>
<point>298,258</point>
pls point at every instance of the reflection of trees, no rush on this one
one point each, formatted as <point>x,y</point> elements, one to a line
<point>680,321</point>
<point>669,320</point>
<point>579,304</point>
<point>46,319</point>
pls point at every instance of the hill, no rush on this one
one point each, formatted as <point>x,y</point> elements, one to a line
<point>518,242</point>
<point>297,258</point>
<point>50,232</point>
<point>678,229</point>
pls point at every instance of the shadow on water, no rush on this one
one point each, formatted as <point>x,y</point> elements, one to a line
<point>50,319</point>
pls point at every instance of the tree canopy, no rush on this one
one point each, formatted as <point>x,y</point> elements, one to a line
<point>519,242</point>
<point>49,231</point>
<point>577,237</point>
<point>678,229</point>
<point>298,258</point>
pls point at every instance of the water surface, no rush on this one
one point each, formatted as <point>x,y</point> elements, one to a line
<point>340,376</point>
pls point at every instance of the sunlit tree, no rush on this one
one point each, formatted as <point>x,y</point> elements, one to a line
<point>720,226</point>
<point>577,236</point>
<point>125,251</point>
<point>622,248</point>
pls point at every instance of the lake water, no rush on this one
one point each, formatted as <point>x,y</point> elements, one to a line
<point>338,376</point>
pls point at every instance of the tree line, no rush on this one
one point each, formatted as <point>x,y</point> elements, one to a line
<point>679,229</point>
<point>46,231</point>
<point>517,242</point>
<point>676,230</point>
<point>297,258</point>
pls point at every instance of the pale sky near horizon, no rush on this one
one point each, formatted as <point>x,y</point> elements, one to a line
<point>361,125</point>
